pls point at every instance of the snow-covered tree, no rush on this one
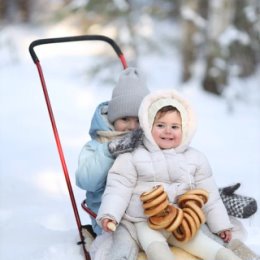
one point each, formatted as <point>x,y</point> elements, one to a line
<point>233,42</point>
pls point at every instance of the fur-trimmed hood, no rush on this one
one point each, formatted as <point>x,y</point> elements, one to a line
<point>154,102</point>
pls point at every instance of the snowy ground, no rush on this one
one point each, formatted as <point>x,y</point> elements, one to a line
<point>36,219</point>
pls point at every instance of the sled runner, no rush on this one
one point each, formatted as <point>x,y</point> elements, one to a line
<point>85,232</point>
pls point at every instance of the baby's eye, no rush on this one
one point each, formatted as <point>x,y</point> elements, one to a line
<point>124,118</point>
<point>176,127</point>
<point>160,125</point>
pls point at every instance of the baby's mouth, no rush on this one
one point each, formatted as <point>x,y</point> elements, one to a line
<point>167,139</point>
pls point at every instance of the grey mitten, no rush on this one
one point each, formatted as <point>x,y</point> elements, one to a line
<point>237,205</point>
<point>126,143</point>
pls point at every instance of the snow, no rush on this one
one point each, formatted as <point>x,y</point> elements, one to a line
<point>36,217</point>
<point>190,15</point>
<point>232,34</point>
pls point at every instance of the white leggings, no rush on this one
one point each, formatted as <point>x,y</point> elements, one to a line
<point>201,245</point>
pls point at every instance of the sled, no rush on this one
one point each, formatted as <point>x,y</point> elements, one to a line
<point>86,237</point>
<point>178,253</point>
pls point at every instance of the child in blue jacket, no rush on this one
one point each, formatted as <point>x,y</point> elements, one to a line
<point>112,133</point>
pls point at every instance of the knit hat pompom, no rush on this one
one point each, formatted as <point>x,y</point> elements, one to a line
<point>127,95</point>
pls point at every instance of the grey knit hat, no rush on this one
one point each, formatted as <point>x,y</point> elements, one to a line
<point>127,95</point>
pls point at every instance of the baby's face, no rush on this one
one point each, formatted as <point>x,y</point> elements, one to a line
<point>126,124</point>
<point>167,130</point>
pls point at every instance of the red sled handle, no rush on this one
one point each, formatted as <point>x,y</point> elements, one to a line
<point>51,115</point>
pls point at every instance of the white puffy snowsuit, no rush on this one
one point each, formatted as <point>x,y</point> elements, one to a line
<point>178,170</point>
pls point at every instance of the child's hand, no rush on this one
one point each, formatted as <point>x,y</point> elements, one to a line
<point>108,225</point>
<point>225,235</point>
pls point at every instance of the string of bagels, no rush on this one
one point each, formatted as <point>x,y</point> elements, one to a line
<point>183,221</point>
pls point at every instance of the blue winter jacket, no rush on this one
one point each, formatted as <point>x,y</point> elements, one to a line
<point>94,163</point>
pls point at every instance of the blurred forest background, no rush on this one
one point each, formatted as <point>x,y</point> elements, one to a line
<point>220,36</point>
<point>208,49</point>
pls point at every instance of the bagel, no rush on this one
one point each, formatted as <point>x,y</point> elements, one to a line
<point>153,226</point>
<point>156,190</point>
<point>190,197</point>
<point>183,221</point>
<point>157,209</point>
<point>193,215</point>
<point>182,233</point>
<point>176,221</point>
<point>177,234</point>
<point>191,223</point>
<point>197,210</point>
<point>157,200</point>
<point>203,194</point>
<point>163,220</point>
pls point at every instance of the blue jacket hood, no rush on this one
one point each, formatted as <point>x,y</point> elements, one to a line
<point>99,120</point>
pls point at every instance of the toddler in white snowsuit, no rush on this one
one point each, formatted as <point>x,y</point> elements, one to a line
<point>165,159</point>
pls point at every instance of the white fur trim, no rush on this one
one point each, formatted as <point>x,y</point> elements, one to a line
<point>170,97</point>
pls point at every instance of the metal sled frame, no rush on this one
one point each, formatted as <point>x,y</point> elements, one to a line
<point>52,119</point>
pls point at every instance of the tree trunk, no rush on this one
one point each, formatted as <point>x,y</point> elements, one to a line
<point>15,10</point>
<point>189,29</point>
<point>3,9</point>
<point>24,10</point>
<point>216,74</point>
<point>245,46</point>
